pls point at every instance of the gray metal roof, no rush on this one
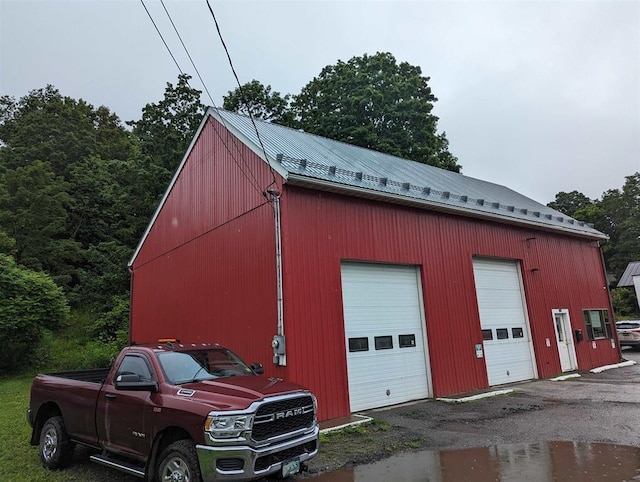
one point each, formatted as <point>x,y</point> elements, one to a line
<point>632,269</point>
<point>313,160</point>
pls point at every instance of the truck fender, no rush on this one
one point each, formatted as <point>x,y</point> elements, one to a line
<point>45,412</point>
<point>161,441</point>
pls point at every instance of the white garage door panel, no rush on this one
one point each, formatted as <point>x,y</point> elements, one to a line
<point>501,306</point>
<point>383,300</point>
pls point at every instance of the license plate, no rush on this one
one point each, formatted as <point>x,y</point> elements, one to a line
<point>290,467</point>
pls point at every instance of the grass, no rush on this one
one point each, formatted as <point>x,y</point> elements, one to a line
<point>19,461</point>
<point>363,443</point>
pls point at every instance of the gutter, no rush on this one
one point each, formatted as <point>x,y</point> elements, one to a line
<point>366,193</point>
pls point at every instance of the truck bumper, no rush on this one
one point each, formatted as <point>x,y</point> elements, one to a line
<point>247,463</point>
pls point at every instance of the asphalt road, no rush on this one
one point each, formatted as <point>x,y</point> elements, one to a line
<point>603,407</point>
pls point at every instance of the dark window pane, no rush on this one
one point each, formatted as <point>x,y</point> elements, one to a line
<point>384,342</point>
<point>502,333</point>
<point>487,335</point>
<point>359,344</point>
<point>517,333</point>
<point>597,324</point>
<point>407,341</point>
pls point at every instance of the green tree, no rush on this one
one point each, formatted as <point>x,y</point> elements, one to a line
<point>43,125</point>
<point>375,102</point>
<point>259,101</point>
<point>30,303</point>
<point>34,214</point>
<point>616,214</point>
<point>167,127</point>
<point>570,202</point>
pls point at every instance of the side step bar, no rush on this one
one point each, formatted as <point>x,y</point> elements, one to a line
<point>130,469</point>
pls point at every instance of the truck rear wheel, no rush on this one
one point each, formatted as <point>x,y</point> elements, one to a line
<point>56,449</point>
<point>179,463</point>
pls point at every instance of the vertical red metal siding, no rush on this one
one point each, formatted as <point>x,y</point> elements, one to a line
<point>322,229</point>
<point>206,271</point>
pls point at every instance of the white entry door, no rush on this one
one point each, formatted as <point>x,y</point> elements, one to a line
<point>385,336</point>
<point>566,348</point>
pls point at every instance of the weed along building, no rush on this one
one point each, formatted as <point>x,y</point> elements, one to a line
<point>370,279</point>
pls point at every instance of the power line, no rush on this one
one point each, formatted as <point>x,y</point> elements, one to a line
<point>188,54</point>
<point>252,180</point>
<point>159,33</point>
<point>255,127</point>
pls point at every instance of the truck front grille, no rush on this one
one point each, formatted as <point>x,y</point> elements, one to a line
<point>282,417</point>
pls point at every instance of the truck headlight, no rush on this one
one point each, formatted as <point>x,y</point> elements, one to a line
<point>227,426</point>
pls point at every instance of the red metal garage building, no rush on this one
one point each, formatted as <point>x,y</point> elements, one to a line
<point>387,280</point>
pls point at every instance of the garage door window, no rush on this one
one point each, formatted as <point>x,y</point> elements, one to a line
<point>597,324</point>
<point>358,344</point>
<point>407,341</point>
<point>384,342</point>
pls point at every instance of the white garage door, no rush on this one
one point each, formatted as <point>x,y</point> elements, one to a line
<point>385,337</point>
<point>507,344</point>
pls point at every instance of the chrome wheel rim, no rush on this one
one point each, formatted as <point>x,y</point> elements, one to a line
<point>175,469</point>
<point>50,445</point>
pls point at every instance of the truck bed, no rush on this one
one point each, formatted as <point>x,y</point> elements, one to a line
<point>95,375</point>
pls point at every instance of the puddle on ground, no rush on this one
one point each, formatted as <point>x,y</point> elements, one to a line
<point>538,462</point>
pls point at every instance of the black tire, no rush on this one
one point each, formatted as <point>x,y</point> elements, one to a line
<point>179,461</point>
<point>56,449</point>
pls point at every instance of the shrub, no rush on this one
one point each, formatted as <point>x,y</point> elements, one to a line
<point>30,302</point>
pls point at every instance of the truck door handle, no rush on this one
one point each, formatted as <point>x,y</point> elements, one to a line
<point>110,396</point>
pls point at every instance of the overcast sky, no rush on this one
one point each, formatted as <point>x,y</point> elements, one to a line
<point>539,96</point>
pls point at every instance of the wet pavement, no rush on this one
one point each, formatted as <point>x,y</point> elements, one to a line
<point>538,462</point>
<point>582,429</point>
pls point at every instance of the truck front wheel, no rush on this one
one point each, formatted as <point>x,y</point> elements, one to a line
<point>179,463</point>
<point>56,449</point>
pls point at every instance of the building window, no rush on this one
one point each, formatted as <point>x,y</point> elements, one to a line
<point>383,342</point>
<point>487,334</point>
<point>407,341</point>
<point>359,344</point>
<point>502,333</point>
<point>597,324</point>
<point>517,333</point>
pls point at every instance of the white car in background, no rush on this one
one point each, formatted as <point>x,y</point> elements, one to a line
<point>628,333</point>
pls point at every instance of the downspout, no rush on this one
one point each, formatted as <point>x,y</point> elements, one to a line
<point>278,343</point>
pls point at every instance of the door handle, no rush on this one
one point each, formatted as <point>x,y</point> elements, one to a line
<point>110,396</point>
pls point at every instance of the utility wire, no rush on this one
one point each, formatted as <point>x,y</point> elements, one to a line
<point>255,127</point>
<point>159,33</point>
<point>188,54</point>
<point>251,180</point>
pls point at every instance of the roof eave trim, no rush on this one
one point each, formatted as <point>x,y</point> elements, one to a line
<point>324,185</point>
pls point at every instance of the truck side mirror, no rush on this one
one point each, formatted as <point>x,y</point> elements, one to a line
<point>257,368</point>
<point>132,382</point>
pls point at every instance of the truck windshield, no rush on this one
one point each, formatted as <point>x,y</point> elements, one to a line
<point>195,366</point>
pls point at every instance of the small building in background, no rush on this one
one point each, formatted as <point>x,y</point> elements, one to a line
<point>631,279</point>
<point>370,279</point>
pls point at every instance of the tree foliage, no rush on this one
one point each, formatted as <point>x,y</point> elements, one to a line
<point>30,302</point>
<point>377,103</point>
<point>570,202</point>
<point>167,127</point>
<point>259,101</point>
<point>616,214</point>
<point>370,101</point>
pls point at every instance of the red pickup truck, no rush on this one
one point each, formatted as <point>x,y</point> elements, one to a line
<point>176,412</point>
